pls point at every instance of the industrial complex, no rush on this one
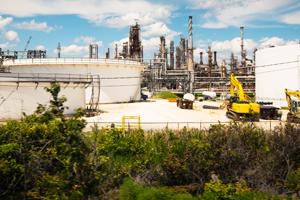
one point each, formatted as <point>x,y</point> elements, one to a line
<point>125,76</point>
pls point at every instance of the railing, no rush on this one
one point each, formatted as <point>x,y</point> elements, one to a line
<point>265,124</point>
<point>47,77</point>
<point>69,61</point>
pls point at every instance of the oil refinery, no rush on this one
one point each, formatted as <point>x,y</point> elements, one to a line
<point>93,82</point>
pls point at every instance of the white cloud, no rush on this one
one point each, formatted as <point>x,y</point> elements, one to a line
<point>224,13</point>
<point>233,45</point>
<point>226,47</point>
<point>113,13</point>
<point>5,21</point>
<point>79,48</point>
<point>11,36</point>
<point>158,29</point>
<point>73,49</point>
<point>87,40</point>
<point>40,47</point>
<point>291,18</point>
<point>4,45</point>
<point>36,26</point>
<point>271,41</point>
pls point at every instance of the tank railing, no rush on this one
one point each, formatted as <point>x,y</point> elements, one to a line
<point>47,77</point>
<point>69,61</point>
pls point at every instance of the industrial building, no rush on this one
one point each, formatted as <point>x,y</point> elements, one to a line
<point>182,73</point>
<point>277,68</point>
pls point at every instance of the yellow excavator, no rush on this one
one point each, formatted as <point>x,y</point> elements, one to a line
<point>293,105</point>
<point>240,106</point>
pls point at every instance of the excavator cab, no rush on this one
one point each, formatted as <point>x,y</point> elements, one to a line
<point>293,100</point>
<point>295,106</point>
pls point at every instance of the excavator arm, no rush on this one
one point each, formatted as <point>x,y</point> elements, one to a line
<point>235,84</point>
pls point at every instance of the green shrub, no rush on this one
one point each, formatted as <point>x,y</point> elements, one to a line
<point>133,191</point>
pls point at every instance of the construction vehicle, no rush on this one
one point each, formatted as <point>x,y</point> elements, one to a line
<point>240,106</point>
<point>293,105</point>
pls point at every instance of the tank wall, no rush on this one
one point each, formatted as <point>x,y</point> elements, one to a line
<point>26,97</point>
<point>277,68</point>
<point>114,85</point>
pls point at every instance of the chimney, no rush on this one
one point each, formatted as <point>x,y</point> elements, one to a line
<point>93,51</point>
<point>201,58</point>
<point>58,50</point>
<point>172,55</point>
<point>116,51</point>
<point>210,61</point>
<point>215,59</point>
<point>243,55</point>
<point>107,54</point>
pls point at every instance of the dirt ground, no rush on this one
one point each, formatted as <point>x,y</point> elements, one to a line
<point>156,114</point>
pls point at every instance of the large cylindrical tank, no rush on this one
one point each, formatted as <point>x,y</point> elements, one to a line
<point>120,80</point>
<point>277,68</point>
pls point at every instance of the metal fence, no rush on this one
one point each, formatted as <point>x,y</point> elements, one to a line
<point>69,61</point>
<point>266,125</point>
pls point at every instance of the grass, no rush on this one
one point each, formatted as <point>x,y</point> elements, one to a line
<point>165,95</point>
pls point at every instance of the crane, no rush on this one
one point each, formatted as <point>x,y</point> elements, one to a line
<point>293,105</point>
<point>26,46</point>
<point>240,105</point>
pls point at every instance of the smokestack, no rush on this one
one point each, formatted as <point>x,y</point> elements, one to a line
<point>190,63</point>
<point>243,55</point>
<point>93,51</point>
<point>116,51</point>
<point>172,55</point>
<point>190,46</point>
<point>125,50</point>
<point>201,58</point>
<point>107,54</point>
<point>182,51</point>
<point>209,61</point>
<point>178,57</point>
<point>242,40</point>
<point>58,50</point>
<point>215,59</point>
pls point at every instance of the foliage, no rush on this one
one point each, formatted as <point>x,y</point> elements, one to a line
<point>44,155</point>
<point>293,181</point>
<point>47,155</point>
<point>165,95</point>
<point>133,191</point>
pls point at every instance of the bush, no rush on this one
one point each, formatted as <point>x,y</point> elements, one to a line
<point>133,191</point>
<point>44,155</point>
<point>47,155</point>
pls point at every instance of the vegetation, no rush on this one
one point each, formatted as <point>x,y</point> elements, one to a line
<point>165,95</point>
<point>48,156</point>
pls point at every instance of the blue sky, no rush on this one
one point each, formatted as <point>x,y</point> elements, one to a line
<point>76,23</point>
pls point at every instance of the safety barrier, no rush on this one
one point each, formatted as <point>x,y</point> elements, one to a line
<point>126,124</point>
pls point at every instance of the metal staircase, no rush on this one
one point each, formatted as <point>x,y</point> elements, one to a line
<point>92,107</point>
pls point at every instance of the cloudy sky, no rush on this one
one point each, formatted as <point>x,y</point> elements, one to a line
<point>76,23</point>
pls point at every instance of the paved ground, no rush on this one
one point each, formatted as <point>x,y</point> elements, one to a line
<point>155,114</point>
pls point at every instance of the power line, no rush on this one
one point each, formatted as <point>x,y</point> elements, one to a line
<point>294,67</point>
<point>282,63</point>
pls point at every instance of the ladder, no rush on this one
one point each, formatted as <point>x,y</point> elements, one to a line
<point>92,107</point>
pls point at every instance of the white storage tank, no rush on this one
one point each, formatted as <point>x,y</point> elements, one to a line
<point>120,80</point>
<point>16,99</point>
<point>277,68</point>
